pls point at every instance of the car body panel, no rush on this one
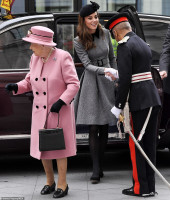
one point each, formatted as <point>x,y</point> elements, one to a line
<point>15,110</point>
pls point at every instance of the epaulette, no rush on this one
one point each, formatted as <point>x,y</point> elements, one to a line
<point>124,40</point>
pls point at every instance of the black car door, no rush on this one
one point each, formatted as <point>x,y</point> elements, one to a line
<point>134,20</point>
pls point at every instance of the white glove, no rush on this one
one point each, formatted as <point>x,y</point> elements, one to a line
<point>109,78</point>
<point>116,111</point>
<point>112,71</point>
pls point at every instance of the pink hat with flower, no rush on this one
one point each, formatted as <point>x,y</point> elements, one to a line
<point>40,35</point>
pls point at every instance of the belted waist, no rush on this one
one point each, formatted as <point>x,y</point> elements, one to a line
<point>141,77</point>
<point>100,62</point>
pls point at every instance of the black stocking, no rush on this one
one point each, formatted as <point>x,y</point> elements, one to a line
<point>103,137</point>
<point>98,136</point>
<point>94,148</point>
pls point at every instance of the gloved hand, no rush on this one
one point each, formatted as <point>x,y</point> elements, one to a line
<point>57,106</point>
<point>112,71</point>
<point>108,77</point>
<point>116,112</point>
<point>11,87</point>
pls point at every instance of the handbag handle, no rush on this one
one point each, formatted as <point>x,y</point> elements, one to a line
<point>45,125</point>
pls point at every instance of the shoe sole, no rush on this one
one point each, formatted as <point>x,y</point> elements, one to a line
<point>94,181</point>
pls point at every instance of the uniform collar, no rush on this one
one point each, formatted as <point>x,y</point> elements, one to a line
<point>126,37</point>
<point>131,33</point>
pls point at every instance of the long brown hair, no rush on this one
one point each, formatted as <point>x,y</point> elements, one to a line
<point>85,36</point>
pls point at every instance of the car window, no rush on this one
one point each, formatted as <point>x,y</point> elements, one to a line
<point>65,34</point>
<point>14,52</point>
<point>155,33</point>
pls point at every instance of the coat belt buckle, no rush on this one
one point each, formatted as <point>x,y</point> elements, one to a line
<point>100,63</point>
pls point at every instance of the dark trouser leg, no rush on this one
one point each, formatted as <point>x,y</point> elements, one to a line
<point>134,159</point>
<point>103,138</point>
<point>94,148</point>
<point>150,147</point>
<point>143,177</point>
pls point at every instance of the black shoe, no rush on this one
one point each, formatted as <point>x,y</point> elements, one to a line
<point>60,193</point>
<point>48,189</point>
<point>95,180</point>
<point>130,192</point>
<point>101,174</point>
<point>152,194</point>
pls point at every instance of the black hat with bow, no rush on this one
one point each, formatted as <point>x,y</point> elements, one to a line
<point>89,9</point>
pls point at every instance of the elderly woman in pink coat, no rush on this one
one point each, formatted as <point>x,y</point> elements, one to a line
<point>54,83</point>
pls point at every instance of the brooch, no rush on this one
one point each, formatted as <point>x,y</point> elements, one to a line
<point>29,33</point>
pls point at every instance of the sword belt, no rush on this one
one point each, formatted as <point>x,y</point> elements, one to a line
<point>141,77</point>
<point>135,78</point>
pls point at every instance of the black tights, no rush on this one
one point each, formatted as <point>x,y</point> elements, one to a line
<point>98,136</point>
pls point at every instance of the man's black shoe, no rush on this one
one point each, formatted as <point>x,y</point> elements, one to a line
<point>130,192</point>
<point>152,194</point>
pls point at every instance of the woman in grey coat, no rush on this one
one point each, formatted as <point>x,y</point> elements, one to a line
<point>96,96</point>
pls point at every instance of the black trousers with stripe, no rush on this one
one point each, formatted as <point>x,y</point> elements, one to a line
<point>143,175</point>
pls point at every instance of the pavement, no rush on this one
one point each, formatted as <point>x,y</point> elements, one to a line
<point>22,177</point>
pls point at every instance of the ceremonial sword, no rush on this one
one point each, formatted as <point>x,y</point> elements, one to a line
<point>125,119</point>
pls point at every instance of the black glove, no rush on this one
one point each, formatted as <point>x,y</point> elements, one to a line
<point>11,87</point>
<point>57,106</point>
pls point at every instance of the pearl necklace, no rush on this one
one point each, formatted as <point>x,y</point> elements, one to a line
<point>49,54</point>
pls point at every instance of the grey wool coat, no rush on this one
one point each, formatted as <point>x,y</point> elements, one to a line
<point>164,62</point>
<point>96,96</point>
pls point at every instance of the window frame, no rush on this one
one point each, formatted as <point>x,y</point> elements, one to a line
<point>154,18</point>
<point>23,21</point>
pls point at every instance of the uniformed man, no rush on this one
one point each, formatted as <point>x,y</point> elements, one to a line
<point>135,84</point>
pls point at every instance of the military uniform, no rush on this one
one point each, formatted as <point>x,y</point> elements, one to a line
<point>134,57</point>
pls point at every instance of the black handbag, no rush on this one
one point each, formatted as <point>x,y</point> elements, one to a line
<point>51,139</point>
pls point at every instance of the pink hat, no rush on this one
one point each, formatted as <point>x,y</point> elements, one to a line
<point>40,35</point>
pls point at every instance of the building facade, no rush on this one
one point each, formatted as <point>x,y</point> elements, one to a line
<point>161,7</point>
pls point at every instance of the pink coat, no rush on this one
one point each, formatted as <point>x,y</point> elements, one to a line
<point>56,79</point>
